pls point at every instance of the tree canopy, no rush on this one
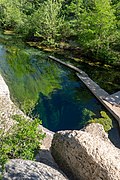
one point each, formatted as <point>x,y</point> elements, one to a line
<point>95,25</point>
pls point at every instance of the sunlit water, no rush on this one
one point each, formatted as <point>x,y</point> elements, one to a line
<point>51,91</point>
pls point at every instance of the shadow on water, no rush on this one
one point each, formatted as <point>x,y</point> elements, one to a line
<point>114,134</point>
<point>54,92</point>
<point>64,108</point>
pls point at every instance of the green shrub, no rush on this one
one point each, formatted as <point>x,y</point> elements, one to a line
<point>105,120</point>
<point>23,140</point>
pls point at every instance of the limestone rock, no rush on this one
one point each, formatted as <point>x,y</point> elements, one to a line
<point>86,154</point>
<point>7,107</point>
<point>44,156</point>
<point>20,169</point>
<point>4,91</point>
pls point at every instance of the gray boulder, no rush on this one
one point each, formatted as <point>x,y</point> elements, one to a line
<point>18,169</point>
<point>86,154</point>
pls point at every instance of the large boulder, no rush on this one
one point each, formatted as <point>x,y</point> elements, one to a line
<point>86,154</point>
<point>29,170</point>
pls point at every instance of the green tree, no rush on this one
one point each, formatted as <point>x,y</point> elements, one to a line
<point>11,15</point>
<point>97,28</point>
<point>94,23</point>
<point>47,20</point>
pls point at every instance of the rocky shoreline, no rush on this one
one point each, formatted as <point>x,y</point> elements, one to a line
<point>86,154</point>
<point>8,109</point>
<point>44,158</point>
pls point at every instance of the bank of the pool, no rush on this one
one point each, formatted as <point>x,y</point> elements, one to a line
<point>8,109</point>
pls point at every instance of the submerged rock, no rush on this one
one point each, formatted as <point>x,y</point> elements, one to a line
<point>18,169</point>
<point>87,154</point>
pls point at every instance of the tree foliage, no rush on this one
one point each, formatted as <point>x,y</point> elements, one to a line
<point>47,20</point>
<point>94,24</point>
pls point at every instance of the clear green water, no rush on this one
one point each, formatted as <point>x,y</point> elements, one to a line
<point>53,92</point>
<point>106,77</point>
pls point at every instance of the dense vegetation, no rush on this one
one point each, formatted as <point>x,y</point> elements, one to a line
<point>23,140</point>
<point>91,25</point>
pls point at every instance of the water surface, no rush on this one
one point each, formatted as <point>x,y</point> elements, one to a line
<point>48,90</point>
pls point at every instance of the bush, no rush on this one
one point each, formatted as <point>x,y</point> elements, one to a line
<point>104,120</point>
<point>23,140</point>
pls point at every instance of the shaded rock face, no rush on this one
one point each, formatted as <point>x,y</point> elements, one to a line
<point>20,169</point>
<point>87,154</point>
